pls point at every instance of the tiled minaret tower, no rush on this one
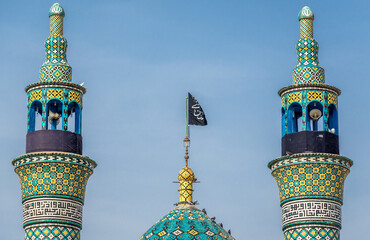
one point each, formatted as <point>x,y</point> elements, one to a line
<point>311,173</point>
<point>53,172</point>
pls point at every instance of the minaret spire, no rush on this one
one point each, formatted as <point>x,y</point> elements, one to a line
<point>308,69</point>
<point>56,15</point>
<point>306,18</point>
<point>56,68</point>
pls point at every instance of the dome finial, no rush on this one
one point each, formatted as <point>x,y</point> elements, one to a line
<point>186,177</point>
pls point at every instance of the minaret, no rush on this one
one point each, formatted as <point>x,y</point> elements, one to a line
<point>186,221</point>
<point>53,172</point>
<point>311,173</point>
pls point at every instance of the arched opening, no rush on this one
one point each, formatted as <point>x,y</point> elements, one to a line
<point>294,117</point>
<point>333,119</point>
<point>282,122</point>
<point>74,118</point>
<point>314,116</point>
<point>35,116</point>
<point>54,110</point>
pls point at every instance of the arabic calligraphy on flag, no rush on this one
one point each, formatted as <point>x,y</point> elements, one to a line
<point>195,112</point>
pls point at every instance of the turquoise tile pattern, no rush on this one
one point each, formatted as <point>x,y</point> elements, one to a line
<point>186,224</point>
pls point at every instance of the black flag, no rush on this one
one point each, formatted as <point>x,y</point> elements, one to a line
<point>196,114</point>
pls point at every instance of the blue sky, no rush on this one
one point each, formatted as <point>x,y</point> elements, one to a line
<point>139,59</point>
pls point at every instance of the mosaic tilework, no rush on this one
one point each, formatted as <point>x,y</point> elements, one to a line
<point>186,224</point>
<point>315,96</point>
<point>313,233</point>
<point>35,95</point>
<point>54,157</point>
<point>53,178</point>
<point>52,233</point>
<point>306,180</point>
<point>332,99</point>
<point>56,67</point>
<point>56,15</point>
<point>55,209</point>
<point>294,97</point>
<point>308,69</point>
<point>54,93</point>
<point>306,17</point>
<point>66,95</point>
<point>55,73</point>
<point>74,96</point>
<point>283,101</point>
<point>58,93</point>
<point>324,158</point>
<point>296,211</point>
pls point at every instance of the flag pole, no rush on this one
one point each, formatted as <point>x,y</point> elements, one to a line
<point>187,138</point>
<point>187,117</point>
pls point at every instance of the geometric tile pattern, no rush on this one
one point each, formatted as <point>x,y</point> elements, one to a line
<point>35,95</point>
<point>294,97</point>
<point>283,101</point>
<point>53,178</point>
<point>56,15</point>
<point>315,96</point>
<point>52,233</point>
<point>186,224</point>
<point>54,157</point>
<point>312,233</point>
<point>54,93</point>
<point>308,69</point>
<point>56,67</point>
<point>306,28</point>
<point>74,96</point>
<point>323,180</point>
<point>55,73</point>
<point>306,17</point>
<point>305,95</point>
<point>310,158</point>
<point>65,94</point>
<point>332,99</point>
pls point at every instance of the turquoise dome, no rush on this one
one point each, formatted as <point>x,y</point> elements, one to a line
<point>186,222</point>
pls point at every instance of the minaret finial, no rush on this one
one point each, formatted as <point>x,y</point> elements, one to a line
<point>306,17</point>
<point>56,15</point>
